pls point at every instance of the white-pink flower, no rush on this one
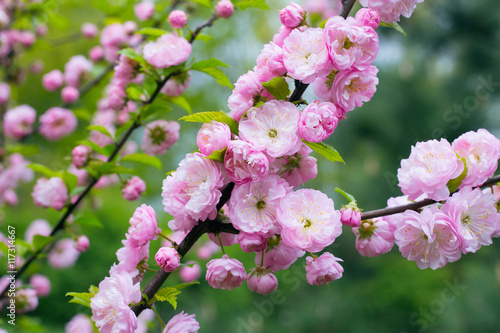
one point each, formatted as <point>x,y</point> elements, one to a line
<point>89,30</point>
<point>224,8</point>
<point>144,10</point>
<point>225,273</point>
<point>391,10</point>
<point>272,128</point>
<point>191,272</point>
<point>309,220</point>
<point>252,207</point>
<point>143,226</point>
<point>41,284</point>
<point>17,122</point>
<point>270,63</point>
<point>159,136</point>
<point>481,151</point>
<point>262,281</point>
<point>244,163</point>
<point>246,89</point>
<point>168,50</point>
<point>37,227</point>
<point>292,15</point>
<point>252,242</point>
<point>168,259</point>
<point>182,323</point>
<point>374,237</point>
<point>56,123</point>
<point>428,169</point>
<point>323,269</point>
<point>53,80</point>
<point>318,121</point>
<point>177,19</point>
<point>213,136</point>
<point>80,323</point>
<point>297,168</point>
<point>50,193</point>
<point>133,188</point>
<point>63,254</point>
<point>305,55</point>
<point>76,69</point>
<point>278,255</point>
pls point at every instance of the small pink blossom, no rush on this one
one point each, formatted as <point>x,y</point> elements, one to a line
<point>168,50</point>
<point>224,8</point>
<point>391,10</point>
<point>18,121</point>
<point>368,17</point>
<point>69,94</point>
<point>96,53</point>
<point>4,93</point>
<point>262,281</point>
<point>244,163</point>
<point>297,168</point>
<point>292,15</point>
<point>143,226</point>
<point>270,63</point>
<point>246,90</point>
<point>114,35</point>
<point>80,155</point>
<point>50,193</point>
<point>80,323</point>
<point>191,272</point>
<point>82,243</point>
<point>26,300</point>
<point>57,123</point>
<point>278,255</point>
<point>374,237</point>
<point>182,323</point>
<point>133,188</point>
<point>350,215</point>
<point>177,19</point>
<point>159,136</point>
<point>213,136</point>
<point>225,273</point>
<point>168,259</point>
<point>41,284</point>
<point>64,254</point>
<point>252,242</point>
<point>132,260</point>
<point>428,169</point>
<point>208,250</point>
<point>281,35</point>
<point>37,227</point>
<point>89,30</point>
<point>76,69</point>
<point>144,10</point>
<point>53,80</point>
<point>176,85</point>
<point>318,121</point>
<point>324,269</point>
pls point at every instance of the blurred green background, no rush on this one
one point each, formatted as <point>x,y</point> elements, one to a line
<point>428,89</point>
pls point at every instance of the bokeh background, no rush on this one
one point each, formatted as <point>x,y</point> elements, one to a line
<point>427,90</point>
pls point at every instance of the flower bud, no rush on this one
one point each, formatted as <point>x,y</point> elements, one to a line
<point>168,259</point>
<point>292,15</point>
<point>224,8</point>
<point>177,19</point>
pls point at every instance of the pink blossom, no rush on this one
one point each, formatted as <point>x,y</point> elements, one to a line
<point>114,35</point>
<point>368,17</point>
<point>89,30</point>
<point>326,8</point>
<point>133,188</point>
<point>481,151</point>
<point>26,300</point>
<point>190,273</point>
<point>305,55</point>
<point>278,255</point>
<point>318,121</point>
<point>213,136</point>
<point>350,45</point>
<point>374,237</point>
<point>272,128</point>
<point>297,168</point>
<point>292,15</point>
<point>125,71</point>
<point>225,273</point>
<point>177,19</point>
<point>270,63</point>
<point>76,69</point>
<point>53,80</point>
<point>110,306</point>
<point>182,323</point>
<point>281,35</point>
<point>143,321</point>
<point>4,93</point>
<point>37,227</point>
<point>192,192</point>
<point>69,94</point>
<point>41,284</point>
<point>428,169</point>
<point>64,254</point>
<point>176,85</point>
<point>224,8</point>
<point>252,242</point>
<point>50,193</point>
<point>324,269</point>
<point>132,260</point>
<point>17,122</point>
<point>475,216</point>
<point>143,226</point>
<point>244,163</point>
<point>391,10</point>
<point>252,207</point>
<point>246,90</point>
<point>80,155</point>
<point>397,219</point>
<point>82,243</point>
<point>80,323</point>
<point>159,136</point>
<point>56,123</point>
<point>96,53</point>
<point>144,10</point>
<point>168,50</point>
<point>350,215</point>
<point>168,259</point>
<point>429,238</point>
<point>309,220</point>
<point>262,281</point>
<point>207,250</point>
<point>227,239</point>
<point>81,174</point>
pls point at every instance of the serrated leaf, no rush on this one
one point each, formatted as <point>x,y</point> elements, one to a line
<point>394,25</point>
<point>168,294</point>
<point>40,242</point>
<point>207,117</point>
<point>218,155</point>
<point>88,219</point>
<point>80,298</point>
<point>278,87</point>
<point>100,129</point>
<point>42,169</point>
<point>135,92</point>
<point>151,32</point>
<point>348,196</point>
<point>218,75</point>
<point>212,62</point>
<point>94,146</point>
<point>144,159</point>
<point>325,150</point>
<point>453,184</point>
<point>70,180</point>
<point>182,102</point>
<point>252,3</point>
<point>205,3</point>
<point>187,284</point>
<point>159,108</point>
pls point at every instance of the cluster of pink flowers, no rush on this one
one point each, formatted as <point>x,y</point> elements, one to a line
<point>118,35</point>
<point>391,10</point>
<point>14,172</point>
<point>125,71</point>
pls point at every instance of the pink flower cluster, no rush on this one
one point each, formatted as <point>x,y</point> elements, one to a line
<point>168,50</point>
<point>123,75</point>
<point>14,172</point>
<point>391,10</point>
<point>117,35</point>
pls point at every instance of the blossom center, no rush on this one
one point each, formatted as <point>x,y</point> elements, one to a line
<point>157,135</point>
<point>307,223</point>
<point>261,204</point>
<point>272,133</point>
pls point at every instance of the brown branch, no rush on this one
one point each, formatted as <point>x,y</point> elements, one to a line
<point>197,31</point>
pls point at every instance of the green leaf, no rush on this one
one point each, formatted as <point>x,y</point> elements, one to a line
<point>130,53</point>
<point>168,294</point>
<point>80,298</point>
<point>4,248</point>
<point>108,168</point>
<point>218,155</point>
<point>252,3</point>
<point>204,38</point>
<point>325,150</point>
<point>94,146</point>
<point>26,150</point>
<point>348,196</point>
<point>159,108</point>
<point>394,25</point>
<point>143,158</point>
<point>83,114</point>
<point>70,180</point>
<point>151,32</point>
<point>455,183</point>
<point>206,117</point>
<point>212,62</point>
<point>43,170</point>
<point>322,24</point>
<point>278,87</point>
<point>218,75</point>
<point>100,129</point>
<point>205,3</point>
<point>180,101</point>
<point>39,241</point>
<point>135,92</point>
<point>88,219</point>
<point>187,284</point>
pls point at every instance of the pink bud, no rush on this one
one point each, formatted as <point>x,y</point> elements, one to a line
<point>41,30</point>
<point>168,259</point>
<point>144,10</point>
<point>96,53</point>
<point>225,273</point>
<point>80,155</point>
<point>350,215</point>
<point>133,188</point>
<point>89,30</point>
<point>177,19</point>
<point>292,15</point>
<point>82,243</point>
<point>224,8</point>
<point>130,27</point>
<point>53,80</point>
<point>252,242</point>
<point>41,284</point>
<point>262,281</point>
<point>69,94</point>
<point>368,17</point>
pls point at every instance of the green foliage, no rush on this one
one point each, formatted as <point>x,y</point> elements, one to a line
<point>143,158</point>
<point>180,101</point>
<point>278,87</point>
<point>453,184</point>
<point>218,155</point>
<point>325,150</point>
<point>83,298</point>
<point>205,3</point>
<point>252,3</point>
<point>88,219</point>
<point>100,129</point>
<point>394,25</point>
<point>43,170</point>
<point>40,242</point>
<point>348,196</point>
<point>168,294</point>
<point>151,32</point>
<point>206,117</point>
